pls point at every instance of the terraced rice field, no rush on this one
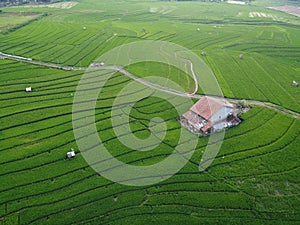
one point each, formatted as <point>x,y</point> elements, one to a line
<point>255,176</point>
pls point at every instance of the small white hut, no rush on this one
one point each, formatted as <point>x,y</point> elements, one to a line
<point>71,154</point>
<point>28,89</point>
<point>295,83</point>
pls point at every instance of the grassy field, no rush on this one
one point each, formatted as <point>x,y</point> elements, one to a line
<point>10,20</point>
<point>254,178</point>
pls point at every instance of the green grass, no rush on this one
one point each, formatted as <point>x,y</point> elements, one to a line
<point>255,176</point>
<point>162,70</point>
<point>10,20</point>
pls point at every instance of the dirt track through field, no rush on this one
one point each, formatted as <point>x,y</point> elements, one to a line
<point>290,9</point>
<point>121,70</point>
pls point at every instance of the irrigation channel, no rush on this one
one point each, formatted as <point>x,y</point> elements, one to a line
<point>123,71</point>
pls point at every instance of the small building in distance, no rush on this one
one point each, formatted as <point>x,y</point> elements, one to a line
<point>97,64</point>
<point>210,115</point>
<point>295,83</point>
<point>28,89</point>
<point>71,154</point>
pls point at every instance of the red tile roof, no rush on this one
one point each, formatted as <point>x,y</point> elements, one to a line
<point>188,115</point>
<point>206,107</point>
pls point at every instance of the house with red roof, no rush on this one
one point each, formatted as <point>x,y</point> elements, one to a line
<point>210,115</point>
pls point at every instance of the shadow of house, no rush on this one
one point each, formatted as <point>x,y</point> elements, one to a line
<point>210,115</point>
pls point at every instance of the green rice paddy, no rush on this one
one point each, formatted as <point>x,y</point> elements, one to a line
<point>255,176</point>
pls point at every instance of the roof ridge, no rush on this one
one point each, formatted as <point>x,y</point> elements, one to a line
<point>207,106</point>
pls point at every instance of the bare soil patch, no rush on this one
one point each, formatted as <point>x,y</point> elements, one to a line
<point>290,9</point>
<point>10,14</point>
<point>57,5</point>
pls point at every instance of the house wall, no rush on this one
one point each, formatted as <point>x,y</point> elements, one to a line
<point>219,126</point>
<point>221,114</point>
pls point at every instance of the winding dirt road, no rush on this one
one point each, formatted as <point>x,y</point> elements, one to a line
<point>121,70</point>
